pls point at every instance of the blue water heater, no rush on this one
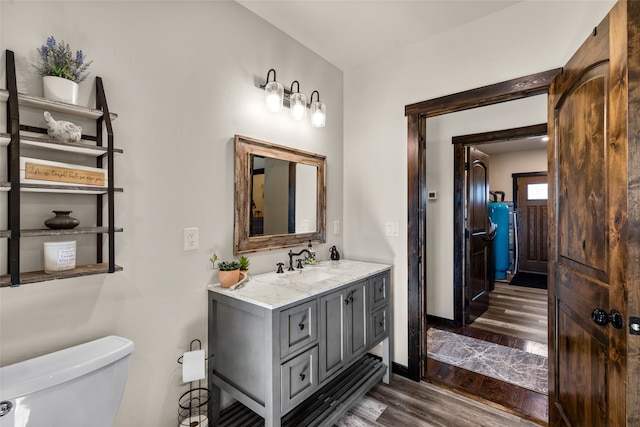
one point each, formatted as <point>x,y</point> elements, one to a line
<point>499,214</point>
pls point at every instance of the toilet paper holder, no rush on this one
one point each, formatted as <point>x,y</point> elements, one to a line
<point>192,404</point>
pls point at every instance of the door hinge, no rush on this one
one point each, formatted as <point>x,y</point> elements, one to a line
<point>466,234</point>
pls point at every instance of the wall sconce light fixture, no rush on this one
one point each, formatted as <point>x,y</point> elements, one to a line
<point>318,111</point>
<point>297,103</point>
<point>275,95</point>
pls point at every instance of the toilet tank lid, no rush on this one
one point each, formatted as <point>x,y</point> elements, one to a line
<point>51,369</point>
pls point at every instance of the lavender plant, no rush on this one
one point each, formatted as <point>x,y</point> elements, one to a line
<point>57,59</point>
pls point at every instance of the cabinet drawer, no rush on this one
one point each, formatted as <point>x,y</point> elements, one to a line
<point>299,379</point>
<point>379,323</point>
<point>298,327</point>
<point>379,290</point>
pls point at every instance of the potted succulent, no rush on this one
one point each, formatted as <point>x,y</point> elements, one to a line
<point>230,272</point>
<point>61,70</point>
<point>244,263</point>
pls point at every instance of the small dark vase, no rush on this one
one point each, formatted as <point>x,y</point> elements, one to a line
<point>62,221</point>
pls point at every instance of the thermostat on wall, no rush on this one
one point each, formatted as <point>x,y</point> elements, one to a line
<point>432,195</point>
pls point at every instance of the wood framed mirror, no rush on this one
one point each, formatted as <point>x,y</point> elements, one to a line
<point>280,196</point>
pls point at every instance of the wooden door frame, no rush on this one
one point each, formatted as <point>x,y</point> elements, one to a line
<point>460,143</point>
<point>417,114</point>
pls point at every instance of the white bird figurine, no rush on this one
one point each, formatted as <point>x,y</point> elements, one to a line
<point>61,130</point>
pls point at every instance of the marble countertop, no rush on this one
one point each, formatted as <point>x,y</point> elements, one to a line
<point>273,290</point>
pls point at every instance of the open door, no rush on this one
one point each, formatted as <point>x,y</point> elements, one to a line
<point>479,235</point>
<point>590,263</point>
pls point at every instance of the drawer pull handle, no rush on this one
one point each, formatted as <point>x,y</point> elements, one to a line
<point>301,326</point>
<point>302,376</point>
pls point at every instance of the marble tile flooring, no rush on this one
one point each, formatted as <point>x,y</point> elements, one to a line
<point>526,369</point>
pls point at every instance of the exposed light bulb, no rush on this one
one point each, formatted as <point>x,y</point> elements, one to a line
<point>274,102</point>
<point>318,114</point>
<point>298,111</point>
<point>274,96</point>
<point>298,105</point>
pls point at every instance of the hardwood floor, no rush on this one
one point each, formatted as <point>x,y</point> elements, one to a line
<point>516,311</point>
<point>408,403</point>
<point>404,403</point>
<point>516,318</point>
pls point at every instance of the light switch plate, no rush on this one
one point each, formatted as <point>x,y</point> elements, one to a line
<point>392,229</point>
<point>336,227</point>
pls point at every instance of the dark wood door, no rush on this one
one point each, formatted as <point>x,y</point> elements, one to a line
<point>588,104</point>
<point>477,284</point>
<point>532,196</point>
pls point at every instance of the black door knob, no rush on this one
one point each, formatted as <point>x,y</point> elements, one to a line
<point>600,317</point>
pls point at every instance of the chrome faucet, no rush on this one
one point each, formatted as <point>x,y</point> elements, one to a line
<point>291,255</point>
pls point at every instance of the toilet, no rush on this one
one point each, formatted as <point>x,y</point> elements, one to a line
<point>79,386</point>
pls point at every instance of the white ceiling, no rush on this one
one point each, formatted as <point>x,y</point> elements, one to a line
<point>527,144</point>
<point>350,33</point>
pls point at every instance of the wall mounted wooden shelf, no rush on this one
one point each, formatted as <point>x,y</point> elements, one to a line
<point>99,147</point>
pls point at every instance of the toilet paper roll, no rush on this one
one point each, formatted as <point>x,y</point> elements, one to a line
<point>193,366</point>
<point>195,421</point>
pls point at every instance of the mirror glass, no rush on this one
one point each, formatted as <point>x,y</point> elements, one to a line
<point>283,195</point>
<point>280,196</point>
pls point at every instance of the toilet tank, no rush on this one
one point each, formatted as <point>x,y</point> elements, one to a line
<point>79,386</point>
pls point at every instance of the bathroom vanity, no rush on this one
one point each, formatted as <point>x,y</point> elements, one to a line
<point>294,347</point>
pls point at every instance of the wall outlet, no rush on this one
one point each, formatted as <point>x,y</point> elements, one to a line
<point>336,227</point>
<point>190,238</point>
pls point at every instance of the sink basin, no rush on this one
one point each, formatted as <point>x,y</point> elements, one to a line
<point>311,276</point>
<point>306,276</point>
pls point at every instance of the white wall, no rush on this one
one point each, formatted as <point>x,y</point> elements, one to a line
<point>528,37</point>
<point>503,165</point>
<point>182,77</point>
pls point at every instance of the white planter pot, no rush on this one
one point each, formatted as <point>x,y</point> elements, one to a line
<point>59,89</point>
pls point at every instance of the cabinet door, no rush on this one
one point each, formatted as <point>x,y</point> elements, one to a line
<point>332,327</point>
<point>357,316</point>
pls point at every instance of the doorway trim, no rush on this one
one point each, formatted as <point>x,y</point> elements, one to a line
<point>459,145</point>
<point>417,114</point>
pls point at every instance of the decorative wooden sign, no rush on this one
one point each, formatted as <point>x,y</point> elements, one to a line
<point>62,174</point>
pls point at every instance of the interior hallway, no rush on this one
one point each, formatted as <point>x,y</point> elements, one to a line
<point>516,318</point>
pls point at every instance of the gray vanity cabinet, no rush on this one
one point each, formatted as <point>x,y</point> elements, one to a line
<point>343,326</point>
<point>273,358</point>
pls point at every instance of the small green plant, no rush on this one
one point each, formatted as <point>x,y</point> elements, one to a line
<point>228,265</point>
<point>244,263</point>
<point>213,260</point>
